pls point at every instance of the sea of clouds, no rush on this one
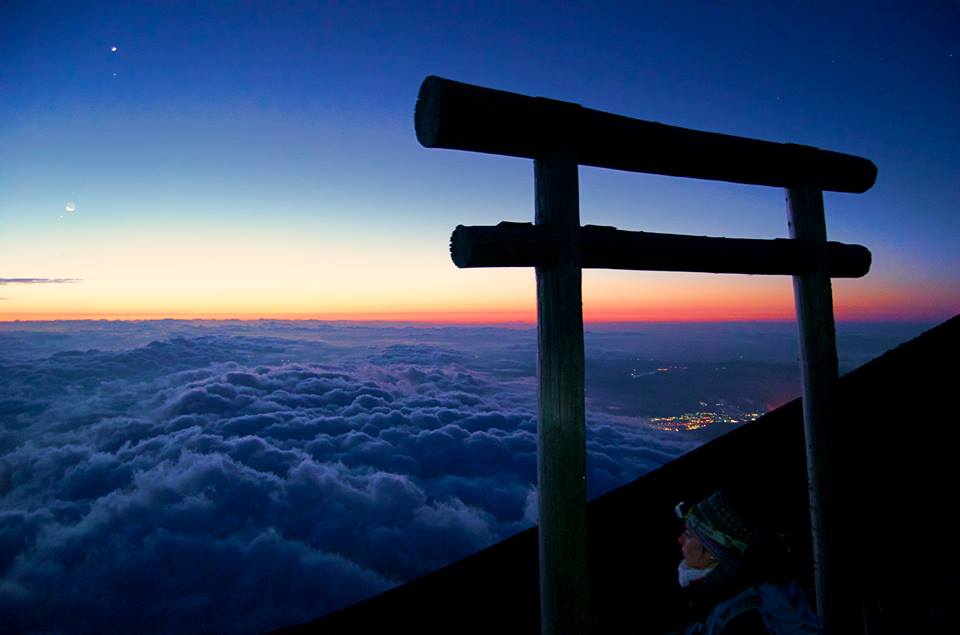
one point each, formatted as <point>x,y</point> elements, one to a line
<point>237,476</point>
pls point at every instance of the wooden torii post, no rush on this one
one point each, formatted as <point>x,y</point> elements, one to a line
<point>560,136</point>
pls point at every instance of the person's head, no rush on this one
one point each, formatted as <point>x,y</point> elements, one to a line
<point>715,533</point>
<point>695,555</point>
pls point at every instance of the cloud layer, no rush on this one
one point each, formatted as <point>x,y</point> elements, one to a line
<point>222,482</point>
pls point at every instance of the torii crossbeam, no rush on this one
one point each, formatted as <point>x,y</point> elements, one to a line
<point>560,136</point>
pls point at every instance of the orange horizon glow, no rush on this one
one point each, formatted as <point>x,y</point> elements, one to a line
<point>474,297</point>
<point>158,276</point>
<point>480,317</point>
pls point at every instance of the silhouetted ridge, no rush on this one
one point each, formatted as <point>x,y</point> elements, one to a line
<point>901,439</point>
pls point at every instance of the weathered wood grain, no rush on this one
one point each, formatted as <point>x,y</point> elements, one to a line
<point>561,432</point>
<point>837,599</point>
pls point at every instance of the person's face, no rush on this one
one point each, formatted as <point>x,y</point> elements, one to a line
<point>695,555</point>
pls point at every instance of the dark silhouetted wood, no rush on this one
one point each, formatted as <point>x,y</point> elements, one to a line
<point>461,116</point>
<point>505,244</point>
<point>559,136</point>
<point>837,595</point>
<point>527,245</point>
<point>561,430</point>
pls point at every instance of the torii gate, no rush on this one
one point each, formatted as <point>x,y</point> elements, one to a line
<point>560,136</point>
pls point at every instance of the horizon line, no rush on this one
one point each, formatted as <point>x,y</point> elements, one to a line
<point>501,315</point>
<point>452,321</point>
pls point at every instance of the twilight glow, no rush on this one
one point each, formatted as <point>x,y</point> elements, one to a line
<point>214,162</point>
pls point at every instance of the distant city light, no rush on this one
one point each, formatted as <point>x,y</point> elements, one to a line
<point>698,420</point>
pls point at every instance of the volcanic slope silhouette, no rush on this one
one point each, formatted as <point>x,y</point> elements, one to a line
<point>900,437</point>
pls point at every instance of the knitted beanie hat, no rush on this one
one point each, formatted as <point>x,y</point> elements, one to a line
<point>721,529</point>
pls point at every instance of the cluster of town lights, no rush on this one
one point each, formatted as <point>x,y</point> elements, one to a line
<point>698,420</point>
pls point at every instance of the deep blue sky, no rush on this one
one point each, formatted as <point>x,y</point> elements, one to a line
<point>289,126</point>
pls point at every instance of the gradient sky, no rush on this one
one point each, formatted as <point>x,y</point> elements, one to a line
<point>259,159</point>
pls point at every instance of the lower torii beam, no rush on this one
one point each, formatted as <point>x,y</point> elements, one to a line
<point>525,245</point>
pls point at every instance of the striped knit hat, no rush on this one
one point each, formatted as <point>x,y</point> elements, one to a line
<point>721,529</point>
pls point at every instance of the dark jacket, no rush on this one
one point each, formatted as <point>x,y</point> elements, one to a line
<point>739,603</point>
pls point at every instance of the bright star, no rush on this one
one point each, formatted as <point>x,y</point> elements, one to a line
<point>113,49</point>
